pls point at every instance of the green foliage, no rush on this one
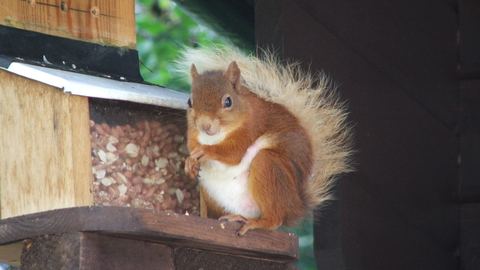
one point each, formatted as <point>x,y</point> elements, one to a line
<point>305,244</point>
<point>162,30</point>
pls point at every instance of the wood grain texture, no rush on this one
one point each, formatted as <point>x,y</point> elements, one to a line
<point>86,250</point>
<point>193,259</point>
<point>45,157</point>
<point>81,151</point>
<point>104,22</point>
<point>51,252</point>
<point>79,250</point>
<point>156,227</point>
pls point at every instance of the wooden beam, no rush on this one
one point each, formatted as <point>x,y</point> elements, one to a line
<point>81,250</point>
<point>155,227</point>
<point>108,22</point>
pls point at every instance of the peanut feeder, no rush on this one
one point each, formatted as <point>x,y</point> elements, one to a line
<point>99,142</point>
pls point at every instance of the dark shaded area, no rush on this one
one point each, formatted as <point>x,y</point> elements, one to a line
<point>117,112</point>
<point>67,54</point>
<point>410,75</point>
<point>234,20</point>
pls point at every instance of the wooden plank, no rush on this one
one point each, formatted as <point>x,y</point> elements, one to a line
<point>81,177</point>
<point>406,179</point>
<point>156,227</point>
<point>470,236</point>
<point>45,161</point>
<point>79,250</point>
<point>399,41</point>
<point>108,22</point>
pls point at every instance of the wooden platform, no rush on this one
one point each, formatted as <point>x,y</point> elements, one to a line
<point>106,237</point>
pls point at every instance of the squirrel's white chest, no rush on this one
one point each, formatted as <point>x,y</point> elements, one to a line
<point>228,185</point>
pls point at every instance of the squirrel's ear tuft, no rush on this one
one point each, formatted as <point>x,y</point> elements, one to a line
<point>193,71</point>
<point>233,74</point>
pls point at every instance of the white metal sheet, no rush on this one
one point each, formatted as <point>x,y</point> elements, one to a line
<point>97,87</point>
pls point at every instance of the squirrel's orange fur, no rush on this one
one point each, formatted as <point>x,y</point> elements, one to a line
<point>264,142</point>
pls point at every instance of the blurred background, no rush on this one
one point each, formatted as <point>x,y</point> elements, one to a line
<point>162,30</point>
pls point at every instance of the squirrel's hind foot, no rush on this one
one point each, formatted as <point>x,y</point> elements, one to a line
<point>251,223</point>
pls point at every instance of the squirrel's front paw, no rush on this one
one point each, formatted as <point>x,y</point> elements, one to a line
<point>193,162</point>
<point>191,168</point>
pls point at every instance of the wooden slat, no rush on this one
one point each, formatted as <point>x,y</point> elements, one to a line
<point>469,139</point>
<point>156,227</point>
<point>109,22</point>
<point>44,161</point>
<point>81,151</point>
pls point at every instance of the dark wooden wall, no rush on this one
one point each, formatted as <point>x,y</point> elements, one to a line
<point>410,71</point>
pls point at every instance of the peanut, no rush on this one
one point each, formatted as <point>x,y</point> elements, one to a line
<point>141,165</point>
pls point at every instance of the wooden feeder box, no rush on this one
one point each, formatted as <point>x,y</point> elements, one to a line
<point>91,165</point>
<point>62,147</point>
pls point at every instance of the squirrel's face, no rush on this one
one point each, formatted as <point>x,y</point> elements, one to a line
<point>215,105</point>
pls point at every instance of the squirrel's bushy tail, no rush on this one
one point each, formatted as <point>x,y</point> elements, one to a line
<point>311,98</point>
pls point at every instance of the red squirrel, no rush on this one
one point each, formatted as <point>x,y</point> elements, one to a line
<point>254,150</point>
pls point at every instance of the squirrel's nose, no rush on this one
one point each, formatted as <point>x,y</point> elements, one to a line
<point>206,127</point>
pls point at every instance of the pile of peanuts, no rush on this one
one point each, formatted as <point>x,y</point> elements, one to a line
<point>142,166</point>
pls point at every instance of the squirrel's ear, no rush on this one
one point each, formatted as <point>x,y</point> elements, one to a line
<point>193,71</point>
<point>233,74</point>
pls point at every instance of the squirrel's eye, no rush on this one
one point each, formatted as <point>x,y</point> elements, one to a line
<point>189,103</point>
<point>227,103</point>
